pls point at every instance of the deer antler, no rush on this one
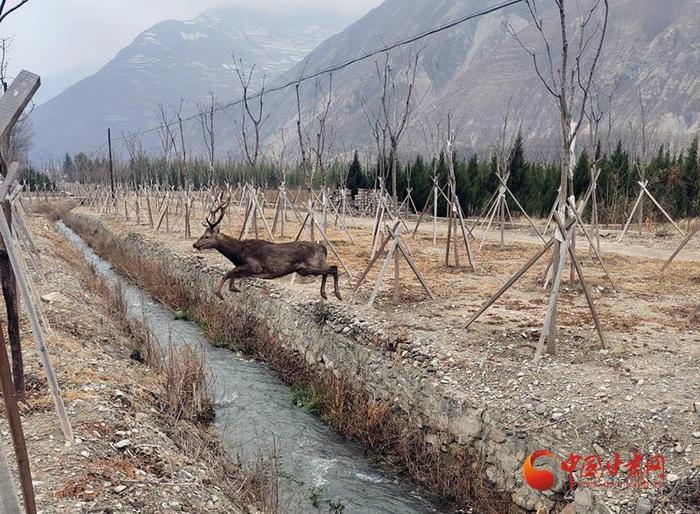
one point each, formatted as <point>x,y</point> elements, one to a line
<point>216,214</point>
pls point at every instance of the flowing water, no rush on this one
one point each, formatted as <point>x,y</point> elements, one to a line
<point>319,471</point>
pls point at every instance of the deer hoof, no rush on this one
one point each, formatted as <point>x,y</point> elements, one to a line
<point>233,289</point>
<point>218,293</point>
<point>337,295</point>
<point>323,295</point>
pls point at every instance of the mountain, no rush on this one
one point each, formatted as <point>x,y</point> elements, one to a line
<point>176,61</point>
<point>475,68</point>
<point>472,70</point>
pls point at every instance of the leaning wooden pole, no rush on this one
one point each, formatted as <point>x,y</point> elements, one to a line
<point>15,422</point>
<point>9,286</point>
<point>36,327</point>
<point>681,246</point>
<point>9,504</point>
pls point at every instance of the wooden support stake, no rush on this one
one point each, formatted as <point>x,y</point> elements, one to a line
<point>414,268</point>
<point>644,188</point>
<point>511,281</point>
<point>35,326</point>
<point>371,262</point>
<point>9,504</point>
<point>586,289</point>
<point>590,241</point>
<point>681,246</point>
<point>378,285</point>
<point>15,422</point>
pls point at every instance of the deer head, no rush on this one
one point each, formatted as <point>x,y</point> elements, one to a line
<point>211,235</point>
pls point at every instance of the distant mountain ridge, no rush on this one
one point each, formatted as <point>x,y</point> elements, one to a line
<point>475,68</point>
<point>174,61</point>
<point>472,70</point>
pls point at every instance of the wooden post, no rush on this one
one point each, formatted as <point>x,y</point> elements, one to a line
<point>685,241</point>
<point>9,504</point>
<point>34,322</point>
<point>111,165</point>
<point>13,417</point>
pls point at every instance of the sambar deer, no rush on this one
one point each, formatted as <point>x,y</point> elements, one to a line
<point>264,259</point>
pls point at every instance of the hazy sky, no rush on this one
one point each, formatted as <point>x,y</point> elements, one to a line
<point>60,37</point>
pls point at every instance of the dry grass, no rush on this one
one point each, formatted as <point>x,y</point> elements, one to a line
<point>54,210</point>
<point>188,390</point>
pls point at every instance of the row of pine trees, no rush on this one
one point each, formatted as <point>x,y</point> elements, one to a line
<point>673,178</point>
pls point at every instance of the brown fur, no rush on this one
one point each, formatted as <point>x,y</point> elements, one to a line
<point>266,260</point>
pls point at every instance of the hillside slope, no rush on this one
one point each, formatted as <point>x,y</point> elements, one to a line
<point>174,61</point>
<point>474,69</point>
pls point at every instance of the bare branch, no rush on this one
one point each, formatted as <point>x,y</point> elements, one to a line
<point>3,14</point>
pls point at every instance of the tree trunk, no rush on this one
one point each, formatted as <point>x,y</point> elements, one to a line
<point>9,291</point>
<point>397,256</point>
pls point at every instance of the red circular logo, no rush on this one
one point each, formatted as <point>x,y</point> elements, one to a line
<point>540,479</point>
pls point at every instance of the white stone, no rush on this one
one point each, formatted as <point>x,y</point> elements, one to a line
<point>122,444</point>
<point>643,506</point>
<point>54,297</point>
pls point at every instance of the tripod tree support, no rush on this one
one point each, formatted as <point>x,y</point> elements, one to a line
<point>522,209</point>
<point>311,221</point>
<point>642,192</point>
<point>396,244</point>
<point>555,290</point>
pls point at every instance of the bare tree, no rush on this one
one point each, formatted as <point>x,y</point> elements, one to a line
<point>396,116</point>
<point>6,10</point>
<point>250,112</point>
<point>5,45</point>
<point>20,142</point>
<point>598,104</point>
<point>206,120</point>
<point>279,156</point>
<point>137,157</point>
<point>567,76</point>
<point>304,164</point>
<point>389,122</point>
<point>165,133</point>
<point>379,134</point>
<point>641,151</point>
<point>172,142</point>
<point>324,137</point>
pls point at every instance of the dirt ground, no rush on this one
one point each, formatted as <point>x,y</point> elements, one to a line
<point>641,393</point>
<point>124,458</point>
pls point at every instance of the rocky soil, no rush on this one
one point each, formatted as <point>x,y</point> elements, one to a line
<point>640,393</point>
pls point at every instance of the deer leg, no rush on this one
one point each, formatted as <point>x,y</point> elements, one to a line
<point>239,272</point>
<point>221,284</point>
<point>334,272</point>
<point>324,271</point>
<point>323,287</point>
